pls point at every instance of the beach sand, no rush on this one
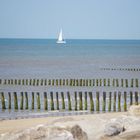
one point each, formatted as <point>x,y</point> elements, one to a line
<point>93,125</point>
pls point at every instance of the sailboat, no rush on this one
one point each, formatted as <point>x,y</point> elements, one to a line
<point>60,38</point>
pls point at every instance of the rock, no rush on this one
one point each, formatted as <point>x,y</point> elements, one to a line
<point>78,133</point>
<point>113,129</point>
<point>134,110</point>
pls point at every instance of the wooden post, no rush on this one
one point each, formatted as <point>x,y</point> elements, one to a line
<point>91,102</point>
<point>137,83</point>
<point>104,102</point>
<point>80,101</point>
<point>119,101</point>
<point>108,82</point>
<point>32,100</point>
<point>26,99</point>
<point>21,100</point>
<point>109,105</point>
<point>9,105</point>
<point>85,100</point>
<point>132,82</point>
<point>75,96</point>
<point>136,98</point>
<point>114,103</point>
<point>97,101</point>
<point>3,101</point>
<point>38,100</point>
<point>122,83</point>
<point>52,102</point>
<point>69,101</point>
<point>15,101</point>
<point>125,101</point>
<point>131,97</point>
<point>45,101</point>
<point>93,82</point>
<point>57,101</point>
<point>126,82</point>
<point>63,100</point>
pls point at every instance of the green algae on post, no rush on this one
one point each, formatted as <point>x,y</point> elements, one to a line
<point>69,101</point>
<point>45,101</point>
<point>26,99</point>
<point>80,101</point>
<point>75,97</point>
<point>32,100</point>
<point>104,102</point>
<point>15,101</point>
<point>63,100</point>
<point>85,100</point>
<point>52,102</point>
<point>38,100</point>
<point>57,101</point>
<point>91,102</point>
<point>97,101</point>
<point>21,100</point>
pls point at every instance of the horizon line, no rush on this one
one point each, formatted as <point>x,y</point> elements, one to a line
<point>73,38</point>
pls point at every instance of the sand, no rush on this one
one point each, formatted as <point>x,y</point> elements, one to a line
<point>93,125</point>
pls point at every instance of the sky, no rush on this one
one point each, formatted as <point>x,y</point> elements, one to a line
<point>79,19</point>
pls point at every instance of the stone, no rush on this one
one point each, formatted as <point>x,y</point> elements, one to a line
<point>113,129</point>
<point>134,110</point>
<point>78,133</point>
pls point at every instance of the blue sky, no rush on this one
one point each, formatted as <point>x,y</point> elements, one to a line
<point>92,19</point>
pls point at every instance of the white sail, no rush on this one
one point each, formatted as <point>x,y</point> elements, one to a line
<point>60,38</point>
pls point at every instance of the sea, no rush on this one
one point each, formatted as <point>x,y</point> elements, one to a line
<point>43,48</point>
<point>78,58</point>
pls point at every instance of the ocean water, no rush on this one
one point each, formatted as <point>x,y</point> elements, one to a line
<point>43,48</point>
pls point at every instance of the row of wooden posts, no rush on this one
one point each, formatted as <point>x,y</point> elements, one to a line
<point>122,69</point>
<point>114,102</point>
<point>72,82</point>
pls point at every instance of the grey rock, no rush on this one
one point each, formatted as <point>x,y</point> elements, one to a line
<point>113,129</point>
<point>78,133</point>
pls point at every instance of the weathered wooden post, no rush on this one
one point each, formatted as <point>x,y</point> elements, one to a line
<point>34,82</point>
<point>131,97</point>
<point>97,101</point>
<point>84,82</point>
<point>22,81</point>
<point>69,101</point>
<point>9,105</point>
<point>38,100</point>
<point>125,101</point>
<point>100,82</point>
<point>93,81</point>
<point>126,82</point>
<point>90,82</point>
<point>57,101</point>
<point>67,82</point>
<point>91,102</point>
<point>21,100</point>
<point>45,101</point>
<point>117,82</point>
<point>85,100</point>
<point>52,82</point>
<point>75,96</point>
<point>119,101</point>
<point>41,82</point>
<point>114,103</point>
<point>19,82</point>
<point>80,101</point>
<point>122,83</point>
<point>97,82</point>
<point>104,102</point>
<point>104,82</point>
<point>80,82</point>
<point>3,101</point>
<point>137,83</point>
<point>136,98</point>
<point>132,82</point>
<point>113,83</point>
<point>37,82</point>
<point>52,102</point>
<point>56,82</point>
<point>15,101</point>
<point>26,82</point>
<point>26,100</point>
<point>108,82</point>
<point>49,82</point>
<point>32,101</point>
<point>109,104</point>
<point>63,100</point>
<point>45,82</point>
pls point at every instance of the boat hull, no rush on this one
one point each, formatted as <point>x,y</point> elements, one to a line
<point>61,42</point>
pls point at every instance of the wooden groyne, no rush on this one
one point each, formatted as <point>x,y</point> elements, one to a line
<point>68,101</point>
